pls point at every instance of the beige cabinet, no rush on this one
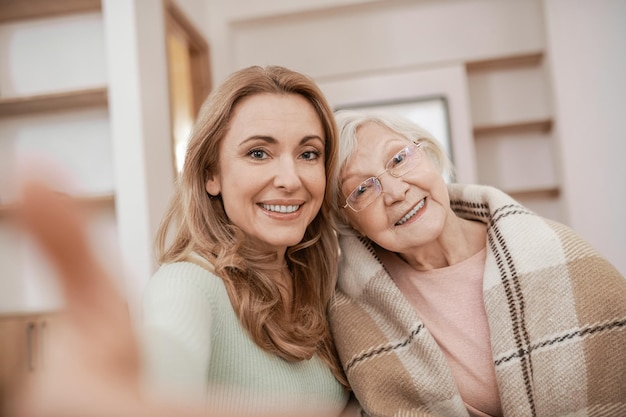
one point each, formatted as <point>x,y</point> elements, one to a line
<point>23,340</point>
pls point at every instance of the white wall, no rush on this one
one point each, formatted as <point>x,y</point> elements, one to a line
<point>389,35</point>
<point>588,63</point>
<point>224,14</point>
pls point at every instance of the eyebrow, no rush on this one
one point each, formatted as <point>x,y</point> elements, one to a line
<point>386,151</point>
<point>395,142</point>
<point>272,140</point>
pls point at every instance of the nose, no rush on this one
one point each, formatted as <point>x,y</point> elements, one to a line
<point>287,175</point>
<point>394,189</point>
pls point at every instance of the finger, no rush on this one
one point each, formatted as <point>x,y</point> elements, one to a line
<point>59,227</point>
<point>95,310</point>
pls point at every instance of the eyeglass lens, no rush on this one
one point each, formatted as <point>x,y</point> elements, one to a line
<point>366,192</point>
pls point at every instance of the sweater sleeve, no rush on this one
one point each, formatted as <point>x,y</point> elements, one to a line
<point>178,315</point>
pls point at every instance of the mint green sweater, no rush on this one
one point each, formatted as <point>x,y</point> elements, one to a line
<point>196,347</point>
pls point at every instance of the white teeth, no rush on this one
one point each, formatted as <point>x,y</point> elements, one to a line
<point>412,213</point>
<point>280,209</point>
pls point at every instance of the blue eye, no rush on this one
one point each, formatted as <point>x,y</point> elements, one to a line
<point>398,158</point>
<point>257,153</point>
<point>363,188</point>
<point>310,155</point>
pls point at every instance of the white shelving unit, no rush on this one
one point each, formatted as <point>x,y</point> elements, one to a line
<point>53,111</point>
<point>511,110</point>
<point>84,87</point>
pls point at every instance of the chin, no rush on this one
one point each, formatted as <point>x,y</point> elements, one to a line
<point>282,243</point>
<point>280,237</point>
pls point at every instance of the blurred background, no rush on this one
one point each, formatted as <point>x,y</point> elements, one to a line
<point>529,95</point>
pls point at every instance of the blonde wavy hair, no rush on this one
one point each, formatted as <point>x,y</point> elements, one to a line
<point>197,223</point>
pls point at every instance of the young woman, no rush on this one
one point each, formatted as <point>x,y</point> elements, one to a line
<point>456,300</point>
<point>236,315</point>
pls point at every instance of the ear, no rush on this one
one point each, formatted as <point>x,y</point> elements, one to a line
<point>213,186</point>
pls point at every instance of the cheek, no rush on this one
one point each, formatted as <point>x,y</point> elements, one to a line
<point>315,181</point>
<point>439,189</point>
<point>354,223</point>
<point>230,202</point>
<point>364,223</point>
<point>429,180</point>
<point>235,188</point>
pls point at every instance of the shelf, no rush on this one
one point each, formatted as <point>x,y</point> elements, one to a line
<point>539,193</point>
<point>90,201</point>
<point>96,200</point>
<point>543,126</point>
<point>14,106</point>
<point>513,61</point>
<point>28,315</point>
<point>12,10</point>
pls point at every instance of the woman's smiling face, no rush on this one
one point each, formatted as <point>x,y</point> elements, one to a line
<point>412,209</point>
<point>272,174</point>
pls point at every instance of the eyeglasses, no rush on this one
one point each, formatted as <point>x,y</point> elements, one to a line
<point>369,190</point>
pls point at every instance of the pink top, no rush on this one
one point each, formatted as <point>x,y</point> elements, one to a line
<point>450,303</point>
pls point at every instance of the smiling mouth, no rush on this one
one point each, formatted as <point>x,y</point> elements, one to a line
<point>281,209</point>
<point>412,213</point>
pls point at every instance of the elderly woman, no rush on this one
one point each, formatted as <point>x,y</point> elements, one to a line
<point>455,300</point>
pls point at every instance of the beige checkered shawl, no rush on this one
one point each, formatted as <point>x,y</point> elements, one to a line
<point>556,310</point>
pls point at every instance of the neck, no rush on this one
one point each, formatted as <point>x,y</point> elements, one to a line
<point>460,240</point>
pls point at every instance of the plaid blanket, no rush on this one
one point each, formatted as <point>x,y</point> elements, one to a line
<point>556,312</point>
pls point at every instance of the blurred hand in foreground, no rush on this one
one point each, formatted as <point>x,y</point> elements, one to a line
<point>93,364</point>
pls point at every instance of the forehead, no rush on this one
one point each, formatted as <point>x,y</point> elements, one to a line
<point>273,111</point>
<point>377,140</point>
<point>374,145</point>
